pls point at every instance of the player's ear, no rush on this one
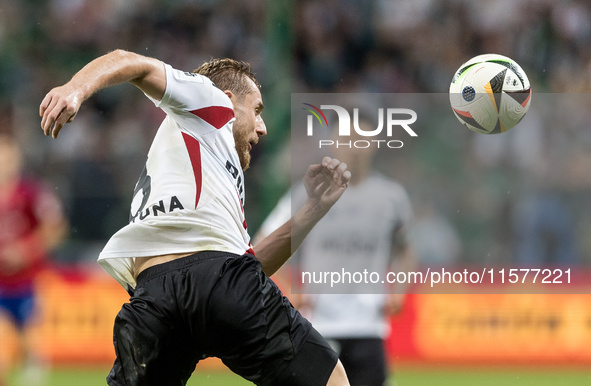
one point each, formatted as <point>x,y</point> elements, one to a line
<point>230,94</point>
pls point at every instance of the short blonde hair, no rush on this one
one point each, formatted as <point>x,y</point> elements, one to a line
<point>229,74</point>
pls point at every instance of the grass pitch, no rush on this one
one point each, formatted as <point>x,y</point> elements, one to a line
<point>404,376</point>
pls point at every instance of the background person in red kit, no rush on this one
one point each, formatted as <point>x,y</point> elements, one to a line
<point>32,223</point>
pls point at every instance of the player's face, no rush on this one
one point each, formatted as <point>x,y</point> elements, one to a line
<point>358,159</point>
<point>249,125</point>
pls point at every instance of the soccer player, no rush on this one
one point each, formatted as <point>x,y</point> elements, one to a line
<point>197,289</point>
<point>32,223</point>
<point>366,230</point>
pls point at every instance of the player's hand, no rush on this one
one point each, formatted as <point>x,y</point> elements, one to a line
<point>326,182</point>
<point>59,107</point>
<point>393,304</point>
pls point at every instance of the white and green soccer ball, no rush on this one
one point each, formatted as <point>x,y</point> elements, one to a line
<point>490,94</point>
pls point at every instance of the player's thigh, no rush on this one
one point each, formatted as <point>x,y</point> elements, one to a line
<point>151,348</point>
<point>364,360</point>
<point>254,329</point>
<point>316,364</point>
<point>338,377</point>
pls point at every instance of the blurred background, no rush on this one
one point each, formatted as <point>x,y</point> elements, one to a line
<point>327,46</point>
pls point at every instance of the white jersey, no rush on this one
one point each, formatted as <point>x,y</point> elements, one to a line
<point>357,233</point>
<point>190,195</point>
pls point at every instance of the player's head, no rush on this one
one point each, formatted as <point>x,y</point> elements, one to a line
<point>236,79</point>
<point>360,153</point>
<point>229,74</point>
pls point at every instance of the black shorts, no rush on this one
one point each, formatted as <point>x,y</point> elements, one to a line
<point>214,304</point>
<point>364,360</point>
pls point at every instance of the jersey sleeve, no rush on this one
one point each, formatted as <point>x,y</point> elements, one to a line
<point>194,102</point>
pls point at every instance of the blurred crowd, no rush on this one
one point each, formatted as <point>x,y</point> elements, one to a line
<point>352,46</point>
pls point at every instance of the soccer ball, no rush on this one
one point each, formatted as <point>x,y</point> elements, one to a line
<point>490,94</point>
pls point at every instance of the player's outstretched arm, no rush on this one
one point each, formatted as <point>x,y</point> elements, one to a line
<point>62,103</point>
<point>325,183</point>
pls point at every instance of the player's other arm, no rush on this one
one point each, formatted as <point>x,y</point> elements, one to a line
<point>62,103</point>
<point>325,183</point>
<point>403,259</point>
